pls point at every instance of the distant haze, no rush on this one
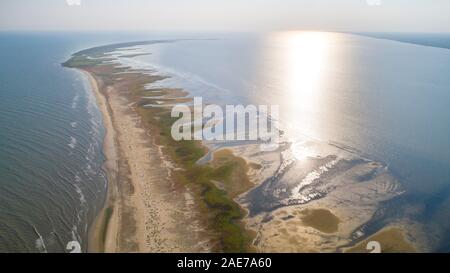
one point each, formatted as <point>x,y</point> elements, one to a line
<point>227,15</point>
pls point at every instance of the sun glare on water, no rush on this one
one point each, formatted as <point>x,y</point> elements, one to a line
<point>305,57</point>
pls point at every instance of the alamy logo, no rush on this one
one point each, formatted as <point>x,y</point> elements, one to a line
<point>73,2</point>
<point>374,2</point>
<point>230,123</point>
<point>74,247</point>
<point>374,247</point>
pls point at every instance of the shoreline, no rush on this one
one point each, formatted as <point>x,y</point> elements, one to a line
<point>157,193</point>
<point>104,228</point>
<point>144,209</point>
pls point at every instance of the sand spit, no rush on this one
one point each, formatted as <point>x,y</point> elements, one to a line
<point>143,212</point>
<point>306,196</point>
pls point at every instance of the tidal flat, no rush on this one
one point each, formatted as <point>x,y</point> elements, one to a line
<point>230,197</point>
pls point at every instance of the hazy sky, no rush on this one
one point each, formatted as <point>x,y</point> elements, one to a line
<point>227,15</point>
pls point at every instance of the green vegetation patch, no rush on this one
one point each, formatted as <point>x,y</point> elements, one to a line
<point>220,210</point>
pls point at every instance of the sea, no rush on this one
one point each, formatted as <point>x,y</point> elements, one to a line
<point>384,96</point>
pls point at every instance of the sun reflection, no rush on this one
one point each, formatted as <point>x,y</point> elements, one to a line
<point>304,58</point>
<point>301,151</point>
<point>306,53</point>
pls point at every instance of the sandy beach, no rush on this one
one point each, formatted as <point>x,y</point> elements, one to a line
<point>142,213</point>
<point>102,236</point>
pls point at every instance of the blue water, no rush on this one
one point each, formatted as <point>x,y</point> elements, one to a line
<point>378,95</point>
<point>388,99</point>
<point>51,182</point>
<point>427,39</point>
